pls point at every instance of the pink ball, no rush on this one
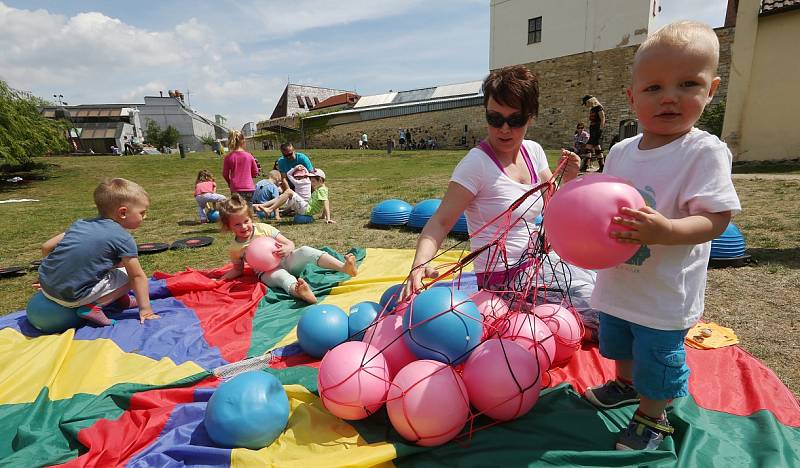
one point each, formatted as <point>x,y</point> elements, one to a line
<point>353,380</point>
<point>490,305</point>
<point>428,403</point>
<point>502,379</point>
<point>577,220</point>
<point>530,332</point>
<point>262,253</point>
<point>566,327</point>
<point>386,337</point>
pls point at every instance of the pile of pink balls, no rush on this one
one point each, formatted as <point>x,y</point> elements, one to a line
<point>410,364</point>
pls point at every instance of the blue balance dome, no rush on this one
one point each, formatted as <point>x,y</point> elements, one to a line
<point>423,212</point>
<point>391,212</point>
<point>729,245</point>
<point>461,226</point>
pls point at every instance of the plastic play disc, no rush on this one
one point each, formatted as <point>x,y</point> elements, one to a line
<point>12,271</point>
<point>152,248</point>
<point>731,262</point>
<point>192,242</point>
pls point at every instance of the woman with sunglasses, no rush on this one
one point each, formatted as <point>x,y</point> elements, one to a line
<point>490,178</point>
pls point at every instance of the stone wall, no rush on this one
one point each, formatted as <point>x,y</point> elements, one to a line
<point>562,83</point>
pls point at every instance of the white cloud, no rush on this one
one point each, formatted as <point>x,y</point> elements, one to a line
<point>286,18</point>
<point>137,93</point>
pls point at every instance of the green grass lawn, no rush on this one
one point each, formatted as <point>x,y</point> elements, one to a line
<point>759,302</point>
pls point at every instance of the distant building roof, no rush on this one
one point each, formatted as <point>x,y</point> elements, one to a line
<point>338,100</point>
<point>469,89</point>
<point>299,99</point>
<point>771,7</point>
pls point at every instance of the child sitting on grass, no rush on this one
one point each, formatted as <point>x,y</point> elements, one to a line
<point>95,262</point>
<point>205,191</point>
<point>236,217</point>
<point>268,190</point>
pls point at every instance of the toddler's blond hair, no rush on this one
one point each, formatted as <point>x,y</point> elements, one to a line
<point>113,193</point>
<point>693,37</point>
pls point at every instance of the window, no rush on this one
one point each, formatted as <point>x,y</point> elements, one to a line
<point>535,30</point>
<point>316,101</point>
<point>309,103</point>
<point>300,101</point>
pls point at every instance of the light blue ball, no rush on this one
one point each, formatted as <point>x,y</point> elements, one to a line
<point>321,328</point>
<point>213,216</point>
<point>387,298</point>
<point>251,410</point>
<point>448,337</point>
<point>49,317</point>
<point>361,316</point>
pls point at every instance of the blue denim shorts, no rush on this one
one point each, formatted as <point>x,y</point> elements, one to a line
<point>659,358</point>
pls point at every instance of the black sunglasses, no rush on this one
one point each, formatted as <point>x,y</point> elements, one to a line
<point>514,120</point>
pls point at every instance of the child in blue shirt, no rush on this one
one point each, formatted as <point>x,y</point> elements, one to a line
<point>267,189</point>
<point>95,262</point>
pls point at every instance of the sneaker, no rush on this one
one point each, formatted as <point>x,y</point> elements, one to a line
<point>644,433</point>
<point>612,395</point>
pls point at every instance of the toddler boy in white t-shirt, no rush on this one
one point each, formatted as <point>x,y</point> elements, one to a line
<point>684,176</point>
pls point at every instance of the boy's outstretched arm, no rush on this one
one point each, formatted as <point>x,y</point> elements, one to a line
<point>140,289</point>
<point>51,244</point>
<point>326,212</point>
<point>651,227</point>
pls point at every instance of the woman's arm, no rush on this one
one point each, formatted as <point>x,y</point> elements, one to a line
<point>455,201</point>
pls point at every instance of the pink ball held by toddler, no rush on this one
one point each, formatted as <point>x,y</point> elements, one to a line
<point>577,220</point>
<point>262,253</point>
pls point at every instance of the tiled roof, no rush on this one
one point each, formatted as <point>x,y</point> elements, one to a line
<point>770,7</point>
<point>344,98</point>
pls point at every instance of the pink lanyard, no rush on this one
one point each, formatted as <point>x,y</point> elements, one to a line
<point>487,148</point>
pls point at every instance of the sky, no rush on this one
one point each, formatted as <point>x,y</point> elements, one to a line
<point>235,57</point>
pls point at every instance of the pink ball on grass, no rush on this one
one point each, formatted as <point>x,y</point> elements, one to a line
<point>502,379</point>
<point>353,380</point>
<point>566,328</point>
<point>386,337</point>
<point>530,332</point>
<point>577,220</point>
<point>262,253</point>
<point>428,403</point>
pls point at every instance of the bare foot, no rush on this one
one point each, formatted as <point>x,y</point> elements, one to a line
<point>95,315</point>
<point>303,291</point>
<point>350,265</point>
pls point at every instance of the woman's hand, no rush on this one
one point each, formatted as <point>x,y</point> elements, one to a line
<point>414,283</point>
<point>570,170</point>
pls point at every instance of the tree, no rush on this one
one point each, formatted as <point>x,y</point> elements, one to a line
<point>24,132</point>
<point>159,138</point>
<point>712,119</point>
<point>209,141</point>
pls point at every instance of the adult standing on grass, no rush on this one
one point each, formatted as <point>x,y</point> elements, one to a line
<point>288,161</point>
<point>597,122</point>
<point>239,167</point>
<point>490,178</point>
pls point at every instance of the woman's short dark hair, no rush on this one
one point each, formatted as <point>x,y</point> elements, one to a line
<point>515,86</point>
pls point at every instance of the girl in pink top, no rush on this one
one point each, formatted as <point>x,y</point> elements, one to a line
<point>239,167</point>
<point>205,191</point>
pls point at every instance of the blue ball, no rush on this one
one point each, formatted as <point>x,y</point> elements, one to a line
<point>303,219</point>
<point>538,220</point>
<point>321,328</point>
<point>213,216</point>
<point>387,298</point>
<point>49,317</point>
<point>250,410</point>
<point>261,214</point>
<point>448,337</point>
<point>361,316</point>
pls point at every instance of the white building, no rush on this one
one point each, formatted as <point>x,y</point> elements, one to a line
<point>172,111</point>
<point>525,31</point>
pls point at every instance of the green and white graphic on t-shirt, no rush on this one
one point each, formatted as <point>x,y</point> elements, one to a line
<point>644,252</point>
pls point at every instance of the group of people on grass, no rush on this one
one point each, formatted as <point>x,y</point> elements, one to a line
<point>647,307</point>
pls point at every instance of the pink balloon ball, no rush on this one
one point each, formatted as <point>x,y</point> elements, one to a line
<point>353,380</point>
<point>502,379</point>
<point>262,253</point>
<point>577,220</point>
<point>530,332</point>
<point>428,403</point>
<point>386,337</point>
<point>490,305</point>
<point>566,328</point>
